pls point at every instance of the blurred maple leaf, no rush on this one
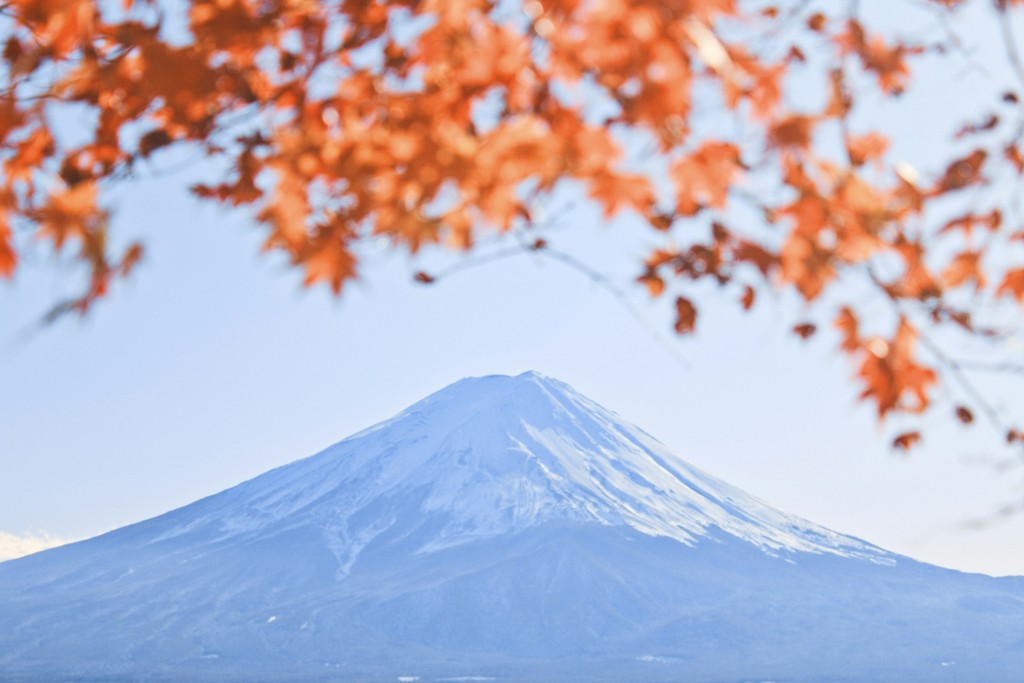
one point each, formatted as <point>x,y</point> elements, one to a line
<point>906,441</point>
<point>686,315</point>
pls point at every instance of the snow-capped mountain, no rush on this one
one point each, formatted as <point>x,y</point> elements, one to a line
<point>498,455</point>
<point>505,528</point>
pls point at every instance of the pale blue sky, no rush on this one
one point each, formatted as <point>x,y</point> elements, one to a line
<point>213,365</point>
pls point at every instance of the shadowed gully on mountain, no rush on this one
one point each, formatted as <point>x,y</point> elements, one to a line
<point>506,528</point>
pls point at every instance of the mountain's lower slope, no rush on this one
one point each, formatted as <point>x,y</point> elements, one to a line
<point>503,528</point>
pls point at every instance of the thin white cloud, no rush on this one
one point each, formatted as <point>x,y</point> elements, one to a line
<point>14,545</point>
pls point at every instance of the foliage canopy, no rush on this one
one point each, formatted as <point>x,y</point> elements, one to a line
<point>433,121</point>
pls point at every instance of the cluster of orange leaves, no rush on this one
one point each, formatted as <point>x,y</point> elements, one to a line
<point>429,121</point>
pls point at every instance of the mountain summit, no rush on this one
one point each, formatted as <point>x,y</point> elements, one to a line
<point>498,455</point>
<point>502,528</point>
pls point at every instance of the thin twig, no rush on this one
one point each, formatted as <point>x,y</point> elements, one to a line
<point>979,366</point>
<point>603,281</point>
<point>476,261</point>
<point>1000,515</point>
<point>570,261</point>
<point>1010,42</point>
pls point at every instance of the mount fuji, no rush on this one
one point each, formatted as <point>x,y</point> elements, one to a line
<point>506,529</point>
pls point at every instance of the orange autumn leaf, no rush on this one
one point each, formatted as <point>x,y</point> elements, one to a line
<point>840,100</point>
<point>992,220</point>
<point>59,24</point>
<point>805,330</point>
<point>704,177</point>
<point>69,213</point>
<point>8,256</point>
<point>893,377</point>
<point>887,61</point>
<point>29,154</point>
<point>655,285</point>
<point>686,315</point>
<point>794,131</point>
<point>917,281</point>
<point>965,267</point>
<point>131,258</point>
<point>748,297</point>
<point>989,123</point>
<point>904,442</point>
<point>846,323</point>
<point>287,213</point>
<point>864,148</point>
<point>756,255</point>
<point>807,265</point>
<point>1012,284</point>
<point>1014,156</point>
<point>963,172</point>
<point>765,93</point>
<point>619,191</point>
<point>330,262</point>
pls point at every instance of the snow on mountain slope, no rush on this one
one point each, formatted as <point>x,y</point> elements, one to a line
<point>504,527</point>
<point>497,455</point>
